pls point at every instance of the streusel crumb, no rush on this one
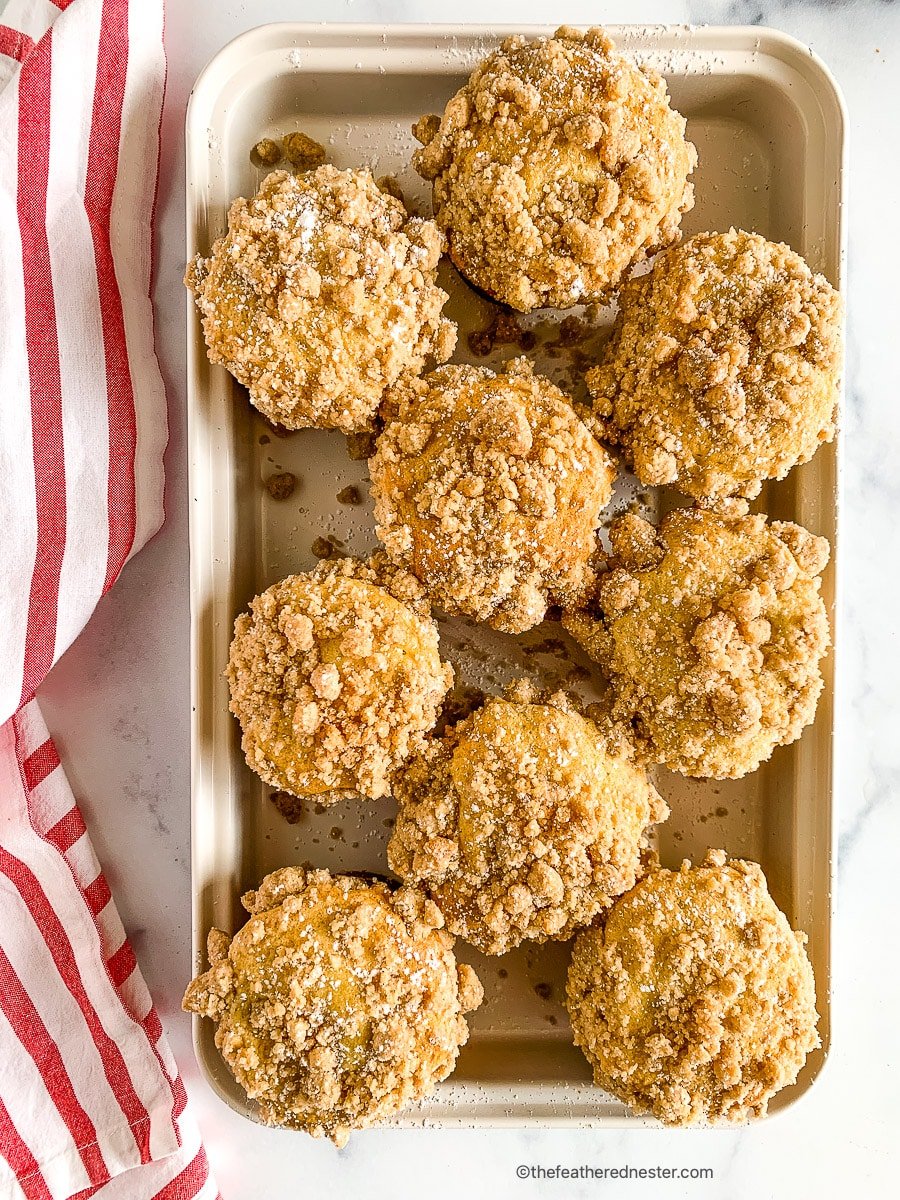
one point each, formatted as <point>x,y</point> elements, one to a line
<point>489,489</point>
<point>723,367</point>
<point>303,152</point>
<point>695,1000</point>
<point>712,631</point>
<point>335,676</point>
<point>338,1003</point>
<point>521,823</point>
<point>320,296</point>
<point>266,153</point>
<point>555,168</point>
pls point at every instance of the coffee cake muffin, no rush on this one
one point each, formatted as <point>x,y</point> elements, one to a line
<point>555,168</point>
<point>335,676</point>
<point>321,295</point>
<point>521,822</point>
<point>694,1000</point>
<point>723,366</point>
<point>338,1003</point>
<point>490,490</point>
<point>712,631</point>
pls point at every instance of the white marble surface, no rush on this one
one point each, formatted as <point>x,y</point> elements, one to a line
<point>118,702</point>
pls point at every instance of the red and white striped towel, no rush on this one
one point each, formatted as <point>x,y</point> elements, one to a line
<point>90,1098</point>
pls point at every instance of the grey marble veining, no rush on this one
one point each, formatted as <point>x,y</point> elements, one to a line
<point>118,702</point>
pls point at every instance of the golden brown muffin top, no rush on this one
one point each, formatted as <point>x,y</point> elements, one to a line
<point>321,295</point>
<point>489,489</point>
<point>335,676</point>
<point>723,367</point>
<point>338,1002</point>
<point>555,168</point>
<point>694,1000</point>
<point>521,822</point>
<point>712,629</point>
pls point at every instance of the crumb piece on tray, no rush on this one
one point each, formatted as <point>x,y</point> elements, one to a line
<point>292,808</point>
<point>282,485</point>
<point>303,152</point>
<point>503,330</point>
<point>266,153</point>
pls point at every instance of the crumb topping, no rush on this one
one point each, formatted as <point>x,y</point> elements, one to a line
<point>266,153</point>
<point>489,489</point>
<point>320,296</point>
<point>335,676</point>
<point>303,152</point>
<point>712,630</point>
<point>502,330</point>
<point>723,367</point>
<point>521,823</point>
<point>281,485</point>
<point>695,1001</point>
<point>555,168</point>
<point>338,1003</point>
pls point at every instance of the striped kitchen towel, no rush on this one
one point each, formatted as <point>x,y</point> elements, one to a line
<point>91,1103</point>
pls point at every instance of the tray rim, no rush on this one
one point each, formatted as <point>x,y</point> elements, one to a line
<point>764,41</point>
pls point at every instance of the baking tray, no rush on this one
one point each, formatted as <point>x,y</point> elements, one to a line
<point>768,122</point>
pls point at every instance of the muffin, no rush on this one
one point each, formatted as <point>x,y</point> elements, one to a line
<point>338,1003</point>
<point>521,822</point>
<point>321,295</point>
<point>335,676</point>
<point>694,1000</point>
<point>723,366</point>
<point>712,631</point>
<point>489,489</point>
<point>555,168</point>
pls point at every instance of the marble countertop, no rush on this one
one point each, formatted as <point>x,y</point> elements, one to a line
<point>118,702</point>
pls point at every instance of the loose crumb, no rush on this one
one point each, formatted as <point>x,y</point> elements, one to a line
<point>503,330</point>
<point>292,808</point>
<point>282,485</point>
<point>303,152</point>
<point>266,153</point>
<point>573,331</point>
